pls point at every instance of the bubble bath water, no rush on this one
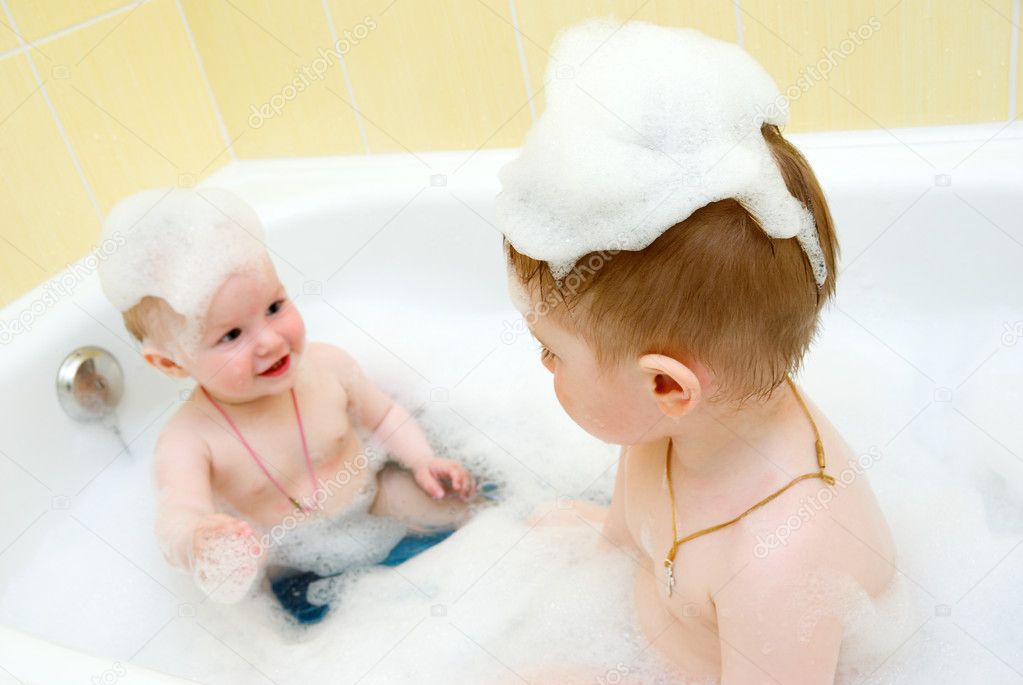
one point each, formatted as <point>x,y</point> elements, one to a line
<point>81,566</point>
<point>500,600</point>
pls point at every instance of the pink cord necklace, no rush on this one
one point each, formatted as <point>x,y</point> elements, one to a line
<point>259,462</point>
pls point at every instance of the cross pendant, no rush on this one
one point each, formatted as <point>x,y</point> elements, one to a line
<point>309,513</point>
<point>669,570</point>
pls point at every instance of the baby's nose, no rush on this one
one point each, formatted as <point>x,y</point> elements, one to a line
<point>268,341</point>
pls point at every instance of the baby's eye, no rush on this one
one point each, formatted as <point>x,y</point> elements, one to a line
<point>275,307</point>
<point>231,335</point>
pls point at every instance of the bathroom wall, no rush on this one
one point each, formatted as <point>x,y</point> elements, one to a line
<point>101,97</point>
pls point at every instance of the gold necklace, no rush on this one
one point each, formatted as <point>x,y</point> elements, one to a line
<point>669,560</point>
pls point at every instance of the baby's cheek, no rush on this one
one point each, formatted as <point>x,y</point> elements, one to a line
<point>606,411</point>
<point>614,415</point>
<point>563,390</point>
<point>577,401</point>
<point>233,370</point>
<point>296,328</point>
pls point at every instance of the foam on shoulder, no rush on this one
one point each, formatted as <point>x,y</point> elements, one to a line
<point>643,126</point>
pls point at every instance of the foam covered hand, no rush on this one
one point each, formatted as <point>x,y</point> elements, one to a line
<point>226,557</point>
<point>436,476</point>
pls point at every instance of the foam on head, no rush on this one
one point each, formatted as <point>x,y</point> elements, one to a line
<point>179,245</point>
<point>643,126</point>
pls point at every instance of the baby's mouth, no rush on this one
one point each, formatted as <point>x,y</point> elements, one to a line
<point>279,367</point>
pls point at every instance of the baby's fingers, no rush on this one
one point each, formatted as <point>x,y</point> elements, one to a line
<point>470,487</point>
<point>429,483</point>
<point>457,478</point>
<point>465,485</point>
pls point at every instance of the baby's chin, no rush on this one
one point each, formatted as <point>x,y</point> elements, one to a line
<point>258,387</point>
<point>615,430</point>
<point>600,429</point>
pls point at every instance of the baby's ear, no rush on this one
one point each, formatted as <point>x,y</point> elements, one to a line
<point>672,385</point>
<point>159,360</point>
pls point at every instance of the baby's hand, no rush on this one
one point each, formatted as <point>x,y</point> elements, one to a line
<point>226,557</point>
<point>438,474</point>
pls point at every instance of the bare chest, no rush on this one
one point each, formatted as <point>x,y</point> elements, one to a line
<point>684,620</point>
<point>260,464</point>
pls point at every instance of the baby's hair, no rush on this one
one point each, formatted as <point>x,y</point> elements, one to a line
<point>152,318</point>
<point>713,288</point>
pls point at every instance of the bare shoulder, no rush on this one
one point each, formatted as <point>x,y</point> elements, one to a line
<point>852,507</point>
<point>820,529</point>
<point>184,438</point>
<point>186,427</point>
<point>323,358</point>
<point>325,354</point>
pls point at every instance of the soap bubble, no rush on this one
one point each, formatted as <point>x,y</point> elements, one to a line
<point>179,245</point>
<point>653,124</point>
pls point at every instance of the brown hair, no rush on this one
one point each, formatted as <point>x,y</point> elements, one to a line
<point>714,288</point>
<point>152,317</point>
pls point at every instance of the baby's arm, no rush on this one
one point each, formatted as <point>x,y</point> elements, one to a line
<point>184,498</point>
<point>399,433</point>
<point>220,550</point>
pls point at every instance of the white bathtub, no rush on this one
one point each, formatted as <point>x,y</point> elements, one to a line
<point>920,360</point>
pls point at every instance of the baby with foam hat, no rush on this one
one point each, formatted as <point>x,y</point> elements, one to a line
<point>262,468</point>
<point>672,251</point>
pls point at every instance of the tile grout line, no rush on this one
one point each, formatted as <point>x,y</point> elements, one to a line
<point>50,37</point>
<point>53,112</point>
<point>346,77</point>
<point>522,58</point>
<point>206,82</point>
<point>740,36</point>
<point>1014,59</point>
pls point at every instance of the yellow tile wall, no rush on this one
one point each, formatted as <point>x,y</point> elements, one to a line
<point>435,75</point>
<point>132,100</point>
<point>8,39</point>
<point>1019,71</point>
<point>540,21</point>
<point>37,18</point>
<point>914,62</point>
<point>254,51</point>
<point>105,97</point>
<point>47,217</point>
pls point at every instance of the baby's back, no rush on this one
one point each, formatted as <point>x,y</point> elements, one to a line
<point>820,550</point>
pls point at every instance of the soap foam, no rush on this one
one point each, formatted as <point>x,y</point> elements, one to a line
<point>332,545</point>
<point>643,126</point>
<point>179,245</point>
<point>226,571</point>
<point>500,596</point>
